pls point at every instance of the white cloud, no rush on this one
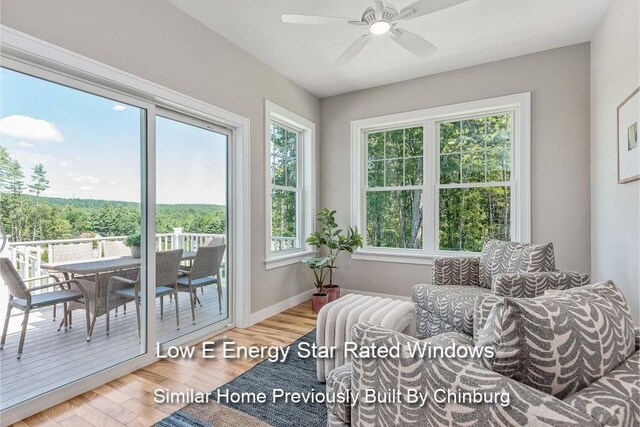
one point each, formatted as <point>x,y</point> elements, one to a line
<point>119,107</point>
<point>25,144</point>
<point>83,179</point>
<point>86,188</point>
<point>30,129</point>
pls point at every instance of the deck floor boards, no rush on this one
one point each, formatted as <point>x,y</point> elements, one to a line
<point>118,401</point>
<point>51,359</point>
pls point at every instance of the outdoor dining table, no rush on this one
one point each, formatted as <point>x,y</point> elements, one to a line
<point>95,268</point>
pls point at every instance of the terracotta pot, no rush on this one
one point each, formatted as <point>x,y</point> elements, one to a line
<point>318,301</point>
<point>333,292</point>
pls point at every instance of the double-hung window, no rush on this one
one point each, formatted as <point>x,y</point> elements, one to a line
<point>290,185</point>
<point>441,180</point>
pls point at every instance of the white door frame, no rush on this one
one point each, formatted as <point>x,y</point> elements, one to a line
<point>20,47</point>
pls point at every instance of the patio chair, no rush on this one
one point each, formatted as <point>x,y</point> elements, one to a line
<point>213,241</point>
<point>115,248</point>
<point>121,290</point>
<point>65,252</point>
<point>21,297</point>
<point>204,271</point>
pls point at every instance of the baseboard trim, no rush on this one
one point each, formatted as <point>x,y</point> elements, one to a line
<point>374,294</point>
<point>265,313</point>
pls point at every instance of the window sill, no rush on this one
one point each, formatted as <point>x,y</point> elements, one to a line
<point>395,257</point>
<point>282,260</point>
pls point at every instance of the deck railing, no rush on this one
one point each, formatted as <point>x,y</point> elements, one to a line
<point>28,257</point>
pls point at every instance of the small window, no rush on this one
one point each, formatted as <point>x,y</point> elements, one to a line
<point>285,188</point>
<point>290,185</point>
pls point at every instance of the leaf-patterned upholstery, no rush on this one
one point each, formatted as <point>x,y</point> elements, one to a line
<point>339,383</point>
<point>610,401</point>
<point>445,308</point>
<point>559,344</point>
<point>503,268</point>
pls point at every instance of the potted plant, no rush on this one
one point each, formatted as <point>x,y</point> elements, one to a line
<point>133,241</point>
<point>330,241</point>
<point>320,267</point>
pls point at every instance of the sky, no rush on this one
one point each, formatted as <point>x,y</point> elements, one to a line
<point>90,146</point>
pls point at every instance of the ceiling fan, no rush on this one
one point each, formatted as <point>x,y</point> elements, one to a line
<point>382,19</point>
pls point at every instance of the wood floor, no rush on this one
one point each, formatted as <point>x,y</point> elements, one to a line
<point>129,399</point>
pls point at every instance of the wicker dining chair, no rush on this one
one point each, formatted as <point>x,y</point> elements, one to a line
<point>21,298</point>
<point>115,248</point>
<point>204,271</point>
<point>121,290</point>
<point>65,252</point>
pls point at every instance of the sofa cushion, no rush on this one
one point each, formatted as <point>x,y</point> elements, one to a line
<point>445,308</point>
<point>512,257</point>
<point>559,344</point>
<point>339,383</point>
<point>613,400</point>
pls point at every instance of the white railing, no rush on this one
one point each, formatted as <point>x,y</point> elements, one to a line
<point>279,243</point>
<point>28,257</point>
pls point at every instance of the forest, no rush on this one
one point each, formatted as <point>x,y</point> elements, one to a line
<point>26,214</point>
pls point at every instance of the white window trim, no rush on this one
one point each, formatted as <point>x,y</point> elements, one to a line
<point>306,183</point>
<point>33,52</point>
<point>520,104</point>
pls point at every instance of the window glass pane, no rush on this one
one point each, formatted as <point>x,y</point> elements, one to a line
<point>498,130</point>
<point>394,144</point>
<point>414,141</point>
<point>450,168</point>
<point>375,173</point>
<point>473,132</point>
<point>413,171</point>
<point>449,137</point>
<point>394,219</point>
<point>191,217</point>
<point>472,167</point>
<point>375,145</point>
<point>283,220</point>
<point>278,155</point>
<point>499,164</point>
<point>70,168</point>
<point>470,216</point>
<point>393,172</point>
<point>292,159</point>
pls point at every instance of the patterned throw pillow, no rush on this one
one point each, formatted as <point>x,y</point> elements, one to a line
<point>512,257</point>
<point>559,343</point>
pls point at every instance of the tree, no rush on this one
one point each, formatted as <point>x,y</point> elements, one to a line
<point>39,181</point>
<point>15,178</point>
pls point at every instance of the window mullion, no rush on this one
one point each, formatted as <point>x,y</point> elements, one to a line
<point>430,199</point>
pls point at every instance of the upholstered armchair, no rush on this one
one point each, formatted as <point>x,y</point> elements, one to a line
<point>503,268</point>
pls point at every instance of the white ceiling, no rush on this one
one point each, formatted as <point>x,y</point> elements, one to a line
<point>471,33</point>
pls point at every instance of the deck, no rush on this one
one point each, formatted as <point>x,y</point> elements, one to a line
<point>51,359</point>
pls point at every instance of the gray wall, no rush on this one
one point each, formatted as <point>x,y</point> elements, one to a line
<point>156,41</point>
<point>615,208</point>
<point>560,195</point>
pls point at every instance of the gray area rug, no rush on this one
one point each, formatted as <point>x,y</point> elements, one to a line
<point>294,375</point>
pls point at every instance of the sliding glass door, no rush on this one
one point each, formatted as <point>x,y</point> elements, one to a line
<point>191,215</point>
<point>71,174</point>
<point>119,203</point>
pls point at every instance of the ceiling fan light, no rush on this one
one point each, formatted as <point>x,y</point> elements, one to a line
<point>379,27</point>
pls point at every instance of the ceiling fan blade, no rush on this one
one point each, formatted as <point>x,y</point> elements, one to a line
<point>313,20</point>
<point>378,6</point>
<point>424,7</point>
<point>412,42</point>
<point>353,50</point>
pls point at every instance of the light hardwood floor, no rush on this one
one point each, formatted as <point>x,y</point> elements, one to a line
<point>129,399</point>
